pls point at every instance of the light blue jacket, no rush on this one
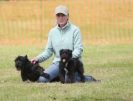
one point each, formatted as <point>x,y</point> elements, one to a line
<point>68,37</point>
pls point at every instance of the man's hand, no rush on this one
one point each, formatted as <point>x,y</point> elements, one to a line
<point>34,61</point>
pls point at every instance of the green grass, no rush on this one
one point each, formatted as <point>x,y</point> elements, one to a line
<point>110,63</point>
<point>104,24</point>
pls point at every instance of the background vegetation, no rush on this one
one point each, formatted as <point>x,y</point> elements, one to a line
<point>106,26</point>
<point>101,22</point>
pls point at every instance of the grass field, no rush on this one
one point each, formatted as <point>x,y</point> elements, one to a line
<point>107,31</point>
<point>110,63</point>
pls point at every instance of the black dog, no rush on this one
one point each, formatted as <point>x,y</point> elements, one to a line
<point>69,66</point>
<point>28,70</point>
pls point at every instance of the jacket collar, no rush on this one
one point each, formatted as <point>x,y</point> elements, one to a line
<point>65,27</point>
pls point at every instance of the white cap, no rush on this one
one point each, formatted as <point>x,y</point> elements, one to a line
<point>61,9</point>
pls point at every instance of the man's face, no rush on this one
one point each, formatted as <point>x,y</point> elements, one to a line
<point>61,19</point>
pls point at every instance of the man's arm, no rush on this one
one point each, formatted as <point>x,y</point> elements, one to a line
<point>78,46</point>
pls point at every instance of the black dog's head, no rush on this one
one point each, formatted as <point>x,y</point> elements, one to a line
<point>65,55</point>
<point>21,61</point>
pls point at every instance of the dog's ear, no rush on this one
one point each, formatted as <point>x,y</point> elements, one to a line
<point>26,57</point>
<point>70,53</point>
<point>61,51</point>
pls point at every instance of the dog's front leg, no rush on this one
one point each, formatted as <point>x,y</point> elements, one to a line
<point>61,72</point>
<point>72,77</point>
<point>62,76</point>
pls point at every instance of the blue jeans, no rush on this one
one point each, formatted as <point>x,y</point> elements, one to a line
<point>53,71</point>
